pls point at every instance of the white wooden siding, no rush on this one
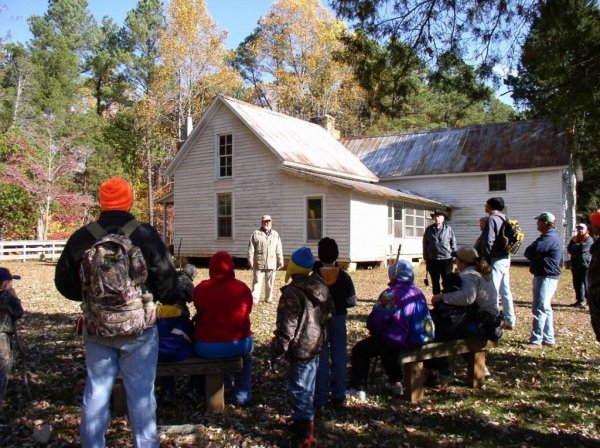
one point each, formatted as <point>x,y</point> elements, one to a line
<point>526,195</point>
<point>258,187</point>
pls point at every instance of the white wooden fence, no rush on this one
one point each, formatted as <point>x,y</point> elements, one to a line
<point>31,249</point>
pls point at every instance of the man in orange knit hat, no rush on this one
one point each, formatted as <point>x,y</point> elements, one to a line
<point>135,355</point>
<point>594,277</point>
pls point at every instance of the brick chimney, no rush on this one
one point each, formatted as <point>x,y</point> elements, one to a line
<point>327,122</point>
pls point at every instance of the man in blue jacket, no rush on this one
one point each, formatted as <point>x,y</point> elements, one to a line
<point>545,255</point>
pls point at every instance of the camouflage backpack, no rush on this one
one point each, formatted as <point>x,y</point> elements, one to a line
<point>113,272</point>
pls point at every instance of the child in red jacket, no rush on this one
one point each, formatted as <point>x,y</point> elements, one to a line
<point>222,323</point>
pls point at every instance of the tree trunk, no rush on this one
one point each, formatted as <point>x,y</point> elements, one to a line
<point>17,105</point>
<point>150,182</point>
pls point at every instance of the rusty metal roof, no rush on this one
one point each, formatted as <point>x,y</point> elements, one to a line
<point>299,143</point>
<point>367,188</point>
<point>495,147</point>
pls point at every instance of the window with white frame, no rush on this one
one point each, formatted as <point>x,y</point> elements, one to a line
<point>415,221</point>
<point>225,155</point>
<point>395,221</point>
<point>497,182</point>
<point>224,215</point>
<point>314,219</point>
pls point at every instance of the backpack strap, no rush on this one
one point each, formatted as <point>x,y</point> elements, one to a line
<point>130,227</point>
<point>96,230</point>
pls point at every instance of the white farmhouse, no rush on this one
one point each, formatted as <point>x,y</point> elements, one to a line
<point>241,162</point>
<point>528,163</point>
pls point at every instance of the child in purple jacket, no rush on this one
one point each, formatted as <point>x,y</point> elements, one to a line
<point>400,321</point>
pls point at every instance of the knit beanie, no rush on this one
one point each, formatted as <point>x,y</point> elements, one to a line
<point>328,250</point>
<point>496,203</point>
<point>595,218</point>
<point>301,262</point>
<point>116,194</point>
<point>401,271</point>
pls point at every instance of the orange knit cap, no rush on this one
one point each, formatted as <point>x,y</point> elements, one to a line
<point>595,218</point>
<point>116,194</point>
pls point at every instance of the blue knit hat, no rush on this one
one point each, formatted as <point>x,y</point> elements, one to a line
<point>401,271</point>
<point>301,262</point>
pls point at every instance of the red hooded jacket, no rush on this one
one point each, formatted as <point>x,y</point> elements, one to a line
<point>223,303</point>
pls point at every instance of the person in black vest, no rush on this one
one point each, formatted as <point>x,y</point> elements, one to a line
<point>579,249</point>
<point>135,356</point>
<point>439,243</point>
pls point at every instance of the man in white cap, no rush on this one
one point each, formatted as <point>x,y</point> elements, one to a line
<point>579,249</point>
<point>265,256</point>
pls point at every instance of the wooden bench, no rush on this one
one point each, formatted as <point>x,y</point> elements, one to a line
<point>414,374</point>
<point>214,371</point>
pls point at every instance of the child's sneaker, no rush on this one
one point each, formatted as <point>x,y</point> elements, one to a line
<point>395,389</point>
<point>358,395</point>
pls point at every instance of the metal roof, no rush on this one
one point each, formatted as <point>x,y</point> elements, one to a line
<point>299,143</point>
<point>495,147</point>
<point>367,188</point>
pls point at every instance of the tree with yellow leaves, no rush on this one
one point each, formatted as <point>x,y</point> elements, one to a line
<point>195,59</point>
<point>293,50</point>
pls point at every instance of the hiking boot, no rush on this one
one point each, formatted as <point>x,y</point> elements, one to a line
<point>506,325</point>
<point>303,433</point>
<point>396,389</point>
<point>531,346</point>
<point>356,394</point>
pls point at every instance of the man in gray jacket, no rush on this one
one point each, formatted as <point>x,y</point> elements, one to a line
<point>492,248</point>
<point>439,243</point>
<point>265,257</point>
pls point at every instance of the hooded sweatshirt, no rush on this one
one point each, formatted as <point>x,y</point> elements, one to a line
<point>400,315</point>
<point>223,303</point>
<point>340,285</point>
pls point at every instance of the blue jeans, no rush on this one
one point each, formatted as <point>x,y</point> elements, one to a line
<point>136,357</point>
<point>543,328</point>
<point>301,388</point>
<point>580,283</point>
<point>242,383</point>
<point>334,348</point>
<point>501,280</point>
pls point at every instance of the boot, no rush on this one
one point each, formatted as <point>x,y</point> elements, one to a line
<point>302,433</point>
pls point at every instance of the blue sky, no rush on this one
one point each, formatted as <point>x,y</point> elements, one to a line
<point>238,17</point>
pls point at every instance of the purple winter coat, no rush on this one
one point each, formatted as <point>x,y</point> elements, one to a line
<point>402,317</point>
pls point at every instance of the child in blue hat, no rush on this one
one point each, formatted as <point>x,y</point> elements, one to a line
<point>303,311</point>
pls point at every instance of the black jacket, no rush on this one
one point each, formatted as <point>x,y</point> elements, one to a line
<point>162,277</point>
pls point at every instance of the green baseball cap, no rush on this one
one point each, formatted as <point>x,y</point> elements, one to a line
<point>546,217</point>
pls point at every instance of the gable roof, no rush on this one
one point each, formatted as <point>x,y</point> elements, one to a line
<point>367,188</point>
<point>296,143</point>
<point>495,147</point>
